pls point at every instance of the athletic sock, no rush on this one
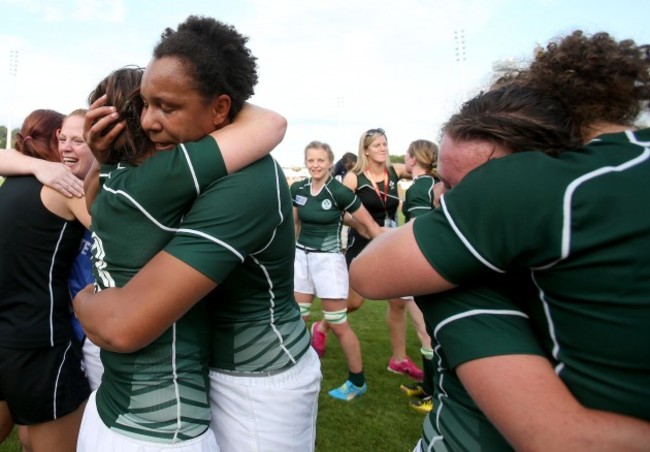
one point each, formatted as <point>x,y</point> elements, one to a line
<point>357,379</point>
<point>427,369</point>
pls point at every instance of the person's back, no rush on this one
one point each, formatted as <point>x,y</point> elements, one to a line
<point>585,235</point>
<point>418,199</point>
<point>253,307</point>
<point>240,234</point>
<point>42,380</point>
<point>602,281</point>
<point>572,219</point>
<point>37,251</point>
<point>126,212</point>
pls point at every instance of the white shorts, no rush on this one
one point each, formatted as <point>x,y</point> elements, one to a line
<point>92,363</point>
<point>271,413</point>
<point>322,274</point>
<point>94,436</point>
<point>436,446</point>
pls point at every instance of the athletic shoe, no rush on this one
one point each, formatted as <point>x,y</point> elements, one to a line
<point>423,406</point>
<point>348,391</point>
<point>405,367</point>
<point>318,339</point>
<point>414,390</point>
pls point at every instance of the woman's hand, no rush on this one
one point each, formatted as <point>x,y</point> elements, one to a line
<point>101,128</point>
<point>59,177</point>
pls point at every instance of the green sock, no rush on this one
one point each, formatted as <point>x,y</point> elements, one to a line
<point>357,379</point>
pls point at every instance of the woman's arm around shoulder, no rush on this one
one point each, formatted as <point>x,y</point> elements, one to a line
<point>53,174</point>
<point>400,170</point>
<point>128,318</point>
<point>254,133</point>
<point>392,266</point>
<point>351,180</point>
<point>365,224</point>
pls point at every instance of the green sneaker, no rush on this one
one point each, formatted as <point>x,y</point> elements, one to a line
<point>348,391</point>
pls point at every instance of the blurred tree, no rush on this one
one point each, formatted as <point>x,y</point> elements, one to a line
<point>397,158</point>
<point>3,136</point>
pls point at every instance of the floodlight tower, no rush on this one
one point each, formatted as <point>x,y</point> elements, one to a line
<point>13,72</point>
<point>461,57</point>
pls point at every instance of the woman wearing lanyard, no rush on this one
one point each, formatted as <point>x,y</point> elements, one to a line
<point>374,180</point>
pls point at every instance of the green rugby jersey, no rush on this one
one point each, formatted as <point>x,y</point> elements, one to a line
<point>419,197</point>
<point>469,323</point>
<point>579,225</point>
<point>159,393</point>
<point>321,214</point>
<point>240,233</point>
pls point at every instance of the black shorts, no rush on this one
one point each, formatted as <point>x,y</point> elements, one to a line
<point>40,385</point>
<point>356,244</point>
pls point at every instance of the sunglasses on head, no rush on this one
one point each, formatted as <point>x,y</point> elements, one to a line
<point>375,131</point>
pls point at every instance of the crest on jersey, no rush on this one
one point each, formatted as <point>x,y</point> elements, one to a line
<point>326,204</point>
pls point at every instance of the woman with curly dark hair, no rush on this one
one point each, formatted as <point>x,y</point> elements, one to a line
<point>568,229</point>
<point>191,367</point>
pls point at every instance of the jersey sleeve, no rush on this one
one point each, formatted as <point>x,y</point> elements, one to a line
<point>444,250</point>
<point>200,162</point>
<point>501,217</point>
<point>416,202</point>
<point>294,188</point>
<point>347,200</point>
<point>232,219</point>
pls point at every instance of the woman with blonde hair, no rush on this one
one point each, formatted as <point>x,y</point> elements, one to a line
<point>420,162</point>
<point>319,205</point>
<point>374,180</point>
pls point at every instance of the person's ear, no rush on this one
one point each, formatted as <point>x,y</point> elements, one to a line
<point>220,110</point>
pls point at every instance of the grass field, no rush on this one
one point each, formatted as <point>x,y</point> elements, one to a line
<point>381,419</point>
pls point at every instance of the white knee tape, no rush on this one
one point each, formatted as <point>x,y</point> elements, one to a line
<point>304,309</point>
<point>336,317</point>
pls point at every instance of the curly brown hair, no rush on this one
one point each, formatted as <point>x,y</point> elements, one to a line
<point>517,117</point>
<point>599,79</point>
